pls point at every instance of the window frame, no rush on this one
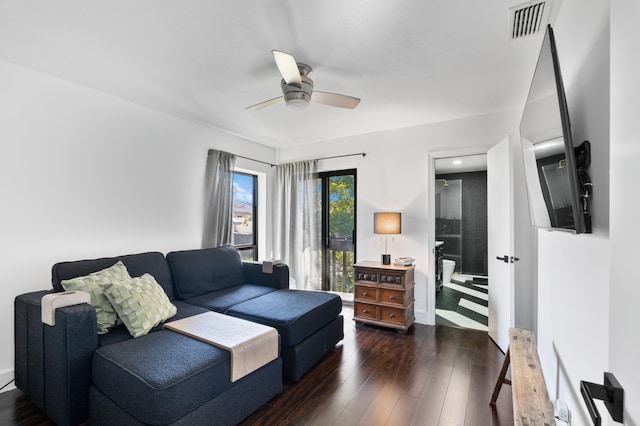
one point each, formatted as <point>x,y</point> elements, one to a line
<point>324,177</point>
<point>254,247</point>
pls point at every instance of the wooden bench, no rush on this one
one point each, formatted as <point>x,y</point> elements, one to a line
<point>531,403</point>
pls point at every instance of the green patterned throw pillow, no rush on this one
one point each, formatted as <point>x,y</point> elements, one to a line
<point>94,284</point>
<point>141,303</point>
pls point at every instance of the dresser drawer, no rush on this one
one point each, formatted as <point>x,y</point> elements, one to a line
<point>365,310</point>
<point>396,297</point>
<point>369,277</point>
<point>366,293</point>
<point>391,278</point>
<point>392,315</point>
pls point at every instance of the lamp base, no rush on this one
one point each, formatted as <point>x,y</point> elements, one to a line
<point>386,259</point>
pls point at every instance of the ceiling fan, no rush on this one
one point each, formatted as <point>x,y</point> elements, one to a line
<point>297,87</point>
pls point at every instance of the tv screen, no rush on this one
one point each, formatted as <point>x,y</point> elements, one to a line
<point>557,188</point>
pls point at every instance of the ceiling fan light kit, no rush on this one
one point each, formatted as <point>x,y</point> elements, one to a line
<point>297,87</point>
<point>298,97</point>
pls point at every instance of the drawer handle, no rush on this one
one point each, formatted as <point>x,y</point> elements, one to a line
<point>365,311</point>
<point>391,279</point>
<point>392,297</point>
<point>392,315</point>
<point>364,293</point>
<point>367,277</point>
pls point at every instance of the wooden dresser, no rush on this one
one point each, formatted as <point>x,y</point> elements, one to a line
<point>383,295</point>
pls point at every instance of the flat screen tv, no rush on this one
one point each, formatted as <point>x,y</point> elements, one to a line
<point>558,186</point>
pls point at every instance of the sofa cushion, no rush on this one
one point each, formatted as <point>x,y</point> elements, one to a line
<point>187,310</point>
<point>197,272</point>
<point>222,300</point>
<point>95,284</point>
<point>120,333</point>
<point>153,263</point>
<point>140,302</point>
<point>296,314</point>
<point>160,377</point>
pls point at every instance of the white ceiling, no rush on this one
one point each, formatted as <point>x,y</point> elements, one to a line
<point>412,62</point>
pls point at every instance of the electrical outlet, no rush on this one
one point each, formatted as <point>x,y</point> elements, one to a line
<point>561,411</point>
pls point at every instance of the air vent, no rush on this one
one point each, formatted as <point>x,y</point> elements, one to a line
<point>527,19</point>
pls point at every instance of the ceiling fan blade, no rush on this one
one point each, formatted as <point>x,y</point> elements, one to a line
<point>288,68</point>
<point>334,99</point>
<point>266,103</point>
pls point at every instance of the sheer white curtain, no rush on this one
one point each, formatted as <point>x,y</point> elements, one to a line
<point>296,238</point>
<point>218,199</point>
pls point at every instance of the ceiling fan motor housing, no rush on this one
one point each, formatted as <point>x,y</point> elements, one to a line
<point>297,87</point>
<point>297,97</point>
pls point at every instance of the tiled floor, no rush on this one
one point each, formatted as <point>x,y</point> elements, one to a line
<point>463,303</point>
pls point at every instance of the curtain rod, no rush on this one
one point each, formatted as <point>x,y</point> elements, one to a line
<point>257,161</point>
<point>364,154</point>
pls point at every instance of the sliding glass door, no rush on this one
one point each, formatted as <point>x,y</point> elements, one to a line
<point>338,223</point>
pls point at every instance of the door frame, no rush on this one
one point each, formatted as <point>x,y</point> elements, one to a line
<point>525,239</point>
<point>431,224</point>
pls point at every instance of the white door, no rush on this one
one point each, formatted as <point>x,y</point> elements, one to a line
<point>500,241</point>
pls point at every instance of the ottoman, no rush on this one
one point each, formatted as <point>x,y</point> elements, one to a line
<point>309,324</point>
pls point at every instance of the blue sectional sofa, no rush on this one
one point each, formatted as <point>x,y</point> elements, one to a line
<point>76,375</point>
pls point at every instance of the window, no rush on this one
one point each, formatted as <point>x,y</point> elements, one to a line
<point>245,215</point>
<point>338,211</point>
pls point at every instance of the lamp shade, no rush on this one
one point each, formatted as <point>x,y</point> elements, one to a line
<point>387,223</point>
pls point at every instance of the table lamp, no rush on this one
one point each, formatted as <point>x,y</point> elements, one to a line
<point>386,223</point>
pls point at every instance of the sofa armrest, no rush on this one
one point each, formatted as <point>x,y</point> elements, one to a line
<point>57,373</point>
<point>253,274</point>
<point>53,301</point>
<point>28,337</point>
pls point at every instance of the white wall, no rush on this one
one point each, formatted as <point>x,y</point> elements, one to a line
<point>84,174</point>
<point>573,270</point>
<point>394,176</point>
<point>624,346</point>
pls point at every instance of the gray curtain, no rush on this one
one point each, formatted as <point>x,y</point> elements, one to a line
<point>296,238</point>
<point>218,199</point>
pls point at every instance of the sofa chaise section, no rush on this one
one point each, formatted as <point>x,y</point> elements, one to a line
<point>176,377</point>
<point>309,322</point>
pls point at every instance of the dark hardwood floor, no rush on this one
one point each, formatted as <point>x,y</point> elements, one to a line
<point>433,375</point>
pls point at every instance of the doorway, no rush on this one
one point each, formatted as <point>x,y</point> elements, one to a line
<point>462,282</point>
<point>337,191</point>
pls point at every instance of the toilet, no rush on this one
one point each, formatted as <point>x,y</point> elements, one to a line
<point>448,266</point>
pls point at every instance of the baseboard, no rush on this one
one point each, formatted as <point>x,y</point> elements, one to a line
<point>422,317</point>
<point>7,377</point>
